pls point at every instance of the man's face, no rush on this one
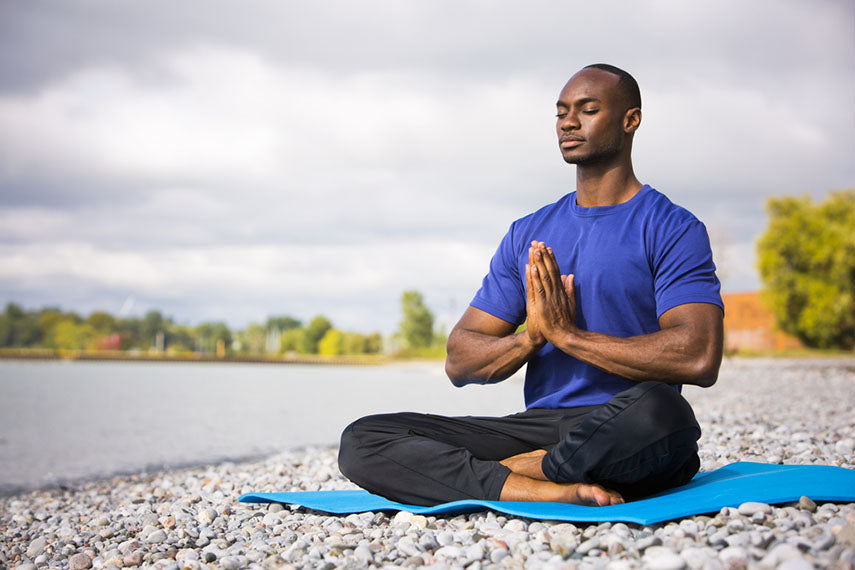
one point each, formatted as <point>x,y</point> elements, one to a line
<point>590,118</point>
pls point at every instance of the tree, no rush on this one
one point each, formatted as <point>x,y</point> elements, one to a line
<point>18,327</point>
<point>332,343</point>
<point>253,339</point>
<point>313,333</point>
<point>152,323</point>
<point>417,323</point>
<point>70,335</point>
<point>291,340</point>
<point>283,323</point>
<point>102,322</point>
<point>209,335</point>
<point>806,259</point>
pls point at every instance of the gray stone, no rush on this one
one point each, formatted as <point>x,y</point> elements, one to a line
<point>846,536</point>
<point>779,554</point>
<point>589,544</point>
<point>733,554</point>
<point>662,558</point>
<point>428,541</point>
<point>474,552</point>
<point>796,564</point>
<point>134,558</point>
<point>79,561</point>
<point>407,547</point>
<point>719,538</point>
<point>751,507</point>
<point>739,539</point>
<point>363,554</point>
<point>449,552</point>
<point>646,542</point>
<point>206,516</point>
<point>695,558</point>
<point>230,563</point>
<point>414,562</point>
<point>824,542</point>
<point>36,547</point>
<point>806,504</point>
<point>156,537</point>
<point>26,566</point>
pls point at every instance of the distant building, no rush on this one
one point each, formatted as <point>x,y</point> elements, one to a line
<point>750,325</point>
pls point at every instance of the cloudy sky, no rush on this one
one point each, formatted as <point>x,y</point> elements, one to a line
<point>233,160</point>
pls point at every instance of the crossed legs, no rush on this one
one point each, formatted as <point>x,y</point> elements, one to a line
<point>640,442</point>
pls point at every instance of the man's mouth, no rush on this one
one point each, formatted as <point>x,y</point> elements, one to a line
<point>570,142</point>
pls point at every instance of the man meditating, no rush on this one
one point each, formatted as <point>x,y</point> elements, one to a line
<point>618,290</point>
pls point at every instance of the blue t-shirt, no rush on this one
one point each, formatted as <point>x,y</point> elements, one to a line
<point>631,261</point>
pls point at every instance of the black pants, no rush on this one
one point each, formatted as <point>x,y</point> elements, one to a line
<point>642,441</point>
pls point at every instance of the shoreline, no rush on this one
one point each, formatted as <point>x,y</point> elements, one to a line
<point>797,412</point>
<point>189,518</point>
<point>122,356</point>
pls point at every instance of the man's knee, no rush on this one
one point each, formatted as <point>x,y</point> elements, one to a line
<point>350,449</point>
<point>359,440</point>
<point>661,405</point>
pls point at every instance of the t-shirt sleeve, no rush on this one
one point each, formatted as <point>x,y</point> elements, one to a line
<point>502,292</point>
<point>684,271</point>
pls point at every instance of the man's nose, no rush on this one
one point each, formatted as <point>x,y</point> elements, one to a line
<point>570,121</point>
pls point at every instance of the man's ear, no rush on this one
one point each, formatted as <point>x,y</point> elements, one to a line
<point>632,120</point>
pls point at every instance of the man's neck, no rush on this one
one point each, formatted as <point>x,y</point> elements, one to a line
<point>599,185</point>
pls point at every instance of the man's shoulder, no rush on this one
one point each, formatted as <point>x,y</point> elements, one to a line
<point>546,212</point>
<point>665,212</point>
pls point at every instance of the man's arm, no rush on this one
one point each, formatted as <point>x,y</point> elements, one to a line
<point>687,349</point>
<point>483,348</point>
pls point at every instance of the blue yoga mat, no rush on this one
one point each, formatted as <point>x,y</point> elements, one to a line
<point>728,486</point>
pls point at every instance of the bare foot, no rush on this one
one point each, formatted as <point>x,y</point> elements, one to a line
<point>528,464</point>
<point>521,488</point>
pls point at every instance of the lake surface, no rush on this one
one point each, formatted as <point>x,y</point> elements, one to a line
<point>64,421</point>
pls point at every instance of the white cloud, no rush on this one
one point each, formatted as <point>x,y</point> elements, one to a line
<point>269,167</point>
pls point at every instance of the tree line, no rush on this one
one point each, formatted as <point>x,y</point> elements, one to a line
<point>806,259</point>
<point>53,328</point>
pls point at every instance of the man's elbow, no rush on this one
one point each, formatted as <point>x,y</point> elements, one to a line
<point>704,370</point>
<point>453,373</point>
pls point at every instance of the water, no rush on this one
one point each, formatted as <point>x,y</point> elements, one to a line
<point>64,421</point>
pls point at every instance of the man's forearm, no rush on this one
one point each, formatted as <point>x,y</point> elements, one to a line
<point>478,358</point>
<point>664,356</point>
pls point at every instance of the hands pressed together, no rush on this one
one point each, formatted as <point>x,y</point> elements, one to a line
<point>550,297</point>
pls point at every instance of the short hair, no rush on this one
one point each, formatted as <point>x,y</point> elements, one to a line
<point>626,83</point>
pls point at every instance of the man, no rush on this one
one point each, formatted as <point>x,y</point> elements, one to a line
<point>618,291</point>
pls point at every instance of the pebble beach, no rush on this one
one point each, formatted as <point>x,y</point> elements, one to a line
<point>768,410</point>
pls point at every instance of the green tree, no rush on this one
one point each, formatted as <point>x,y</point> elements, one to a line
<point>71,335</point>
<point>314,332</point>
<point>209,334</point>
<point>416,325</point>
<point>291,340</point>
<point>332,343</point>
<point>102,322</point>
<point>152,323</point>
<point>373,343</point>
<point>253,339</point>
<point>283,323</point>
<point>19,327</point>
<point>806,259</point>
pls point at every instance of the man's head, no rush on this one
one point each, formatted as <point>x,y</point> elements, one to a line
<point>599,110</point>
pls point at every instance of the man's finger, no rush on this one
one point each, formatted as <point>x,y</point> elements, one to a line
<point>569,284</point>
<point>543,273</point>
<point>551,264</point>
